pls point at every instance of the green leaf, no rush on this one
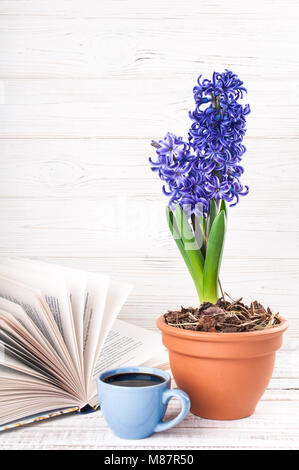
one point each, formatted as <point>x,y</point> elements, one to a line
<point>199,225</point>
<point>204,246</point>
<point>213,211</point>
<point>213,258</point>
<point>179,242</point>
<point>223,207</point>
<point>177,238</point>
<point>191,247</point>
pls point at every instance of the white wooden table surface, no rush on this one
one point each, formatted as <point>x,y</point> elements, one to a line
<point>84,86</point>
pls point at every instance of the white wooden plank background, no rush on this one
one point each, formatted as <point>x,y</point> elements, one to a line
<point>84,87</point>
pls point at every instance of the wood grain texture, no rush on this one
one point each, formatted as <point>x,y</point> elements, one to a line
<point>157,39</point>
<point>84,87</point>
<point>135,108</point>
<point>90,168</point>
<point>265,429</point>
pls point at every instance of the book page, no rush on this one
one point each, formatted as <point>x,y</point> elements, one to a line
<point>28,299</point>
<point>76,281</point>
<point>30,349</point>
<point>37,310</point>
<point>161,361</point>
<point>10,376</point>
<point>126,345</point>
<point>116,296</point>
<point>96,294</point>
<point>16,350</point>
<point>15,365</point>
<point>20,315</point>
<point>54,290</point>
<point>21,385</point>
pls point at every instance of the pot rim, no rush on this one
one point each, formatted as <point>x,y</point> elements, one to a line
<point>218,336</point>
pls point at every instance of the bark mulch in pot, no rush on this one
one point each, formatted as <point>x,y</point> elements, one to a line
<point>223,317</point>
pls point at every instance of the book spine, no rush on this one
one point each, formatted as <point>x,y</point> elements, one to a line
<point>37,418</point>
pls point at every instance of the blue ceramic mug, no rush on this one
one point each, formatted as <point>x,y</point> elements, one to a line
<point>137,412</point>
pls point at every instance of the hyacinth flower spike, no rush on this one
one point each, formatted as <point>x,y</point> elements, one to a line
<point>202,174</point>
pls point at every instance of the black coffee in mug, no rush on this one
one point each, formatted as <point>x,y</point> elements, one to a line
<point>134,379</point>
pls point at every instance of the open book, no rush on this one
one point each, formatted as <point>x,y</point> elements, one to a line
<point>58,331</point>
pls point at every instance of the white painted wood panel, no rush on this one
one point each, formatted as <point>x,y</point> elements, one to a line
<point>90,168</point>
<point>133,108</point>
<point>124,226</point>
<point>160,39</point>
<point>84,87</point>
<point>161,284</point>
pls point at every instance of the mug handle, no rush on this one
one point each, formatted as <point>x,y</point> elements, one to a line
<point>185,407</point>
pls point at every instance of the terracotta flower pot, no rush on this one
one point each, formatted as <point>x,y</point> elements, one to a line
<point>224,374</point>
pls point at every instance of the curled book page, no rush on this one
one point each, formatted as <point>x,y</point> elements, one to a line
<point>58,331</point>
